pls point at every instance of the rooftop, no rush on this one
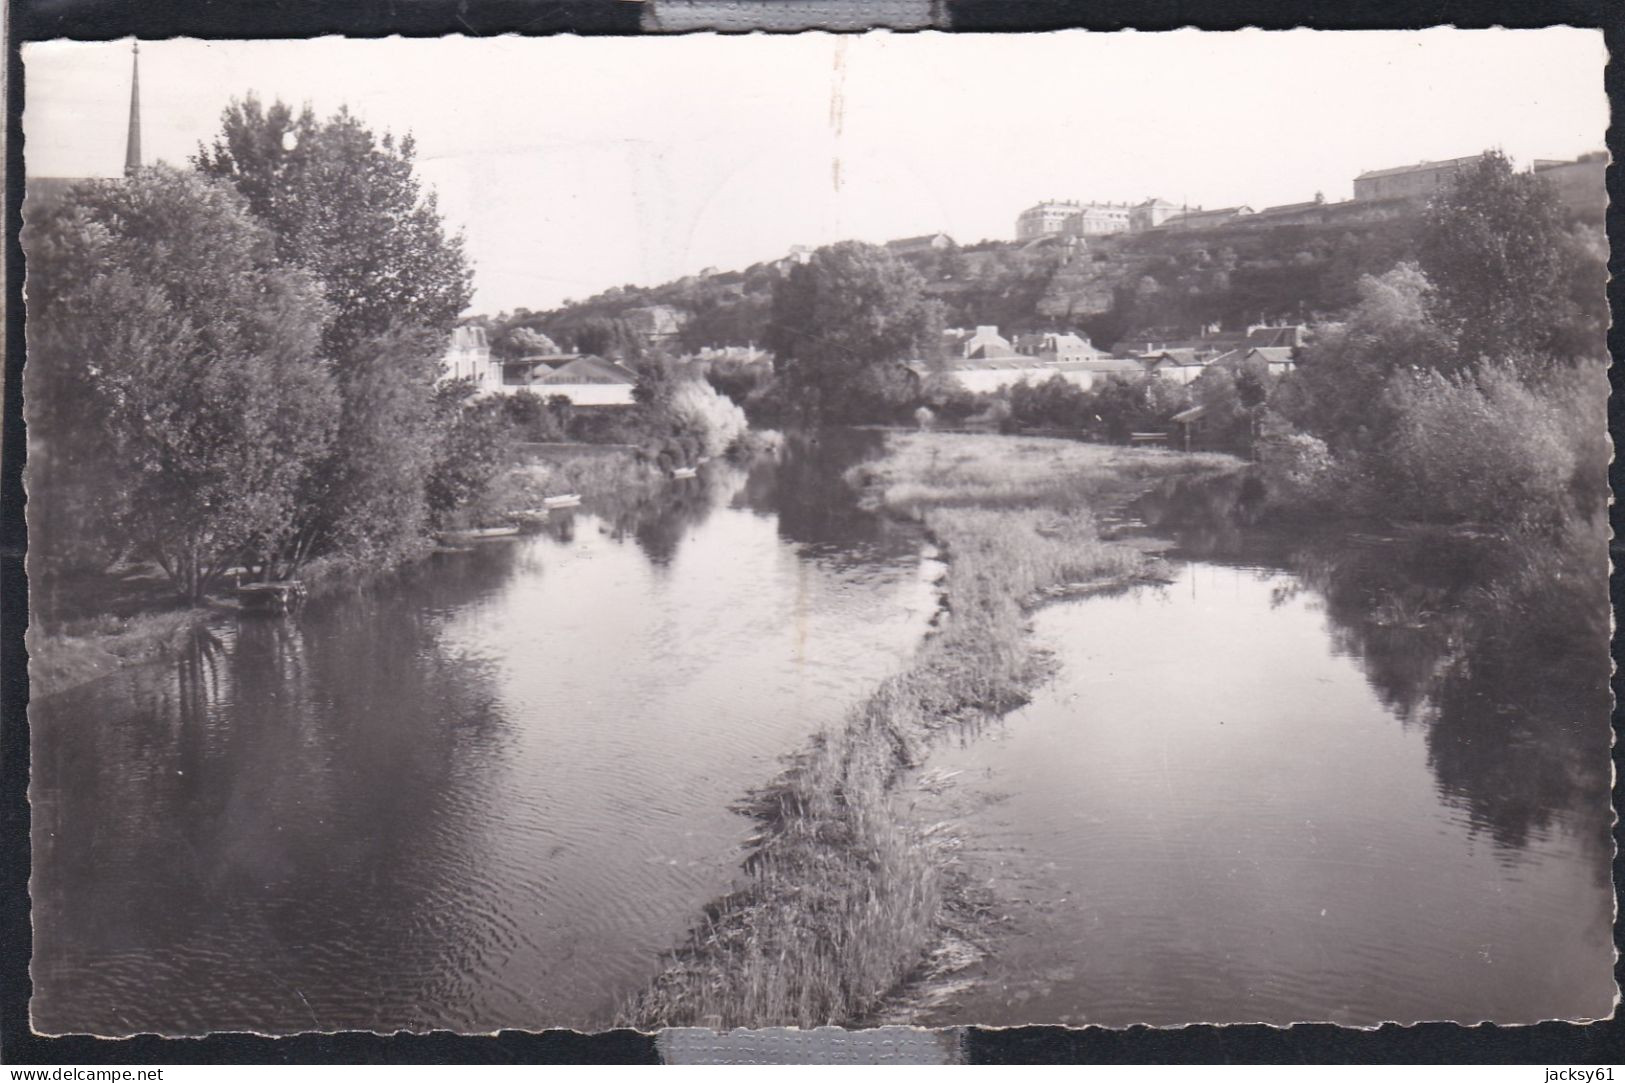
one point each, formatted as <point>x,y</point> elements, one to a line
<point>1395,171</point>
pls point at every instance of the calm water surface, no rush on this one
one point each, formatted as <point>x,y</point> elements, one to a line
<point>485,796</point>
<point>1304,781</point>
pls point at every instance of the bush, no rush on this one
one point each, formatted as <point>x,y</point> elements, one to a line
<point>716,420</point>
<point>1053,404</point>
<point>1300,471</point>
<point>1481,446</point>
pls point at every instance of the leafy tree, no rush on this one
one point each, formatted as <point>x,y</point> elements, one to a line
<point>1493,247</point>
<point>169,347</point>
<point>347,206</point>
<point>369,500</point>
<point>524,342</point>
<point>1119,405</point>
<point>840,323</point>
<point>474,435</point>
<point>1055,403</point>
<point>1335,391</point>
<point>601,336</point>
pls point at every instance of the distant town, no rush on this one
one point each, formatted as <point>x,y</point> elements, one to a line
<point>1580,185</point>
<point>982,359</point>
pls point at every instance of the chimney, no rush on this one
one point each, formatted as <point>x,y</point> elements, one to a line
<point>132,146</point>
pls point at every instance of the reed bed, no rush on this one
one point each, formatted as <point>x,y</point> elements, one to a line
<point>845,897</point>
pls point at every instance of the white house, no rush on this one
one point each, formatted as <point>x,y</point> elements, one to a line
<point>468,357</point>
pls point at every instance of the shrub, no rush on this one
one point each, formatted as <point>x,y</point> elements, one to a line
<point>1300,470</point>
<point>1481,446</point>
<point>715,420</point>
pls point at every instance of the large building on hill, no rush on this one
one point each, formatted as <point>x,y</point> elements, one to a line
<point>1070,218</point>
<point>1046,219</point>
<point>1581,185</point>
<point>1203,219</point>
<point>1151,214</point>
<point>1419,181</point>
<point>909,246</point>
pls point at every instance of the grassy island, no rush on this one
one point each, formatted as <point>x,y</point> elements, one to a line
<point>846,897</point>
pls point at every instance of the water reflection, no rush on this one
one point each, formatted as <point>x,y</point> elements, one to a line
<point>1498,647</point>
<point>806,490</point>
<point>484,794</point>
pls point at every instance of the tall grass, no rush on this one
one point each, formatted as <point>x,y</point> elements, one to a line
<point>845,896</point>
<point>85,650</point>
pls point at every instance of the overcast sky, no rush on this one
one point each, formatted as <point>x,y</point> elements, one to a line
<point>574,164</point>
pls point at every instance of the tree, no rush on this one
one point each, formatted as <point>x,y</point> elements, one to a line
<point>526,342</point>
<point>1493,246</point>
<point>1336,389</point>
<point>165,337</point>
<point>347,206</point>
<point>840,321</point>
<point>474,435</point>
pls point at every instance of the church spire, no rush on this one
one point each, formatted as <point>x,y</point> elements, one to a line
<point>132,147</point>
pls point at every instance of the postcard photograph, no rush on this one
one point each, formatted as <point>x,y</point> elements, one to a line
<point>750,531</point>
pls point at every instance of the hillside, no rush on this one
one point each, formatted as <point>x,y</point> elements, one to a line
<point>1110,288</point>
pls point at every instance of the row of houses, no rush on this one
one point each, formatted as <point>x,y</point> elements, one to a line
<point>582,378</point>
<point>980,360</point>
<point>1580,185</point>
<point>983,361</point>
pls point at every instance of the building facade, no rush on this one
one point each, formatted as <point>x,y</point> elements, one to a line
<point>1201,219</point>
<point>1051,347</point>
<point>468,357</point>
<point>1420,181</point>
<point>1151,214</point>
<point>584,380</point>
<point>1581,185</point>
<point>930,242</point>
<point>1100,219</point>
<point>1056,218</point>
<point>984,342</point>
<point>1047,219</point>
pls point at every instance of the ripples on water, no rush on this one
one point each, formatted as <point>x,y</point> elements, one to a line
<point>488,796</point>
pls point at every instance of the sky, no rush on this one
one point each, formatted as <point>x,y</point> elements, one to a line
<point>575,164</point>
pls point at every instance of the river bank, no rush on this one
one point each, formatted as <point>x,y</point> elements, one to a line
<point>141,622</point>
<point>847,895</point>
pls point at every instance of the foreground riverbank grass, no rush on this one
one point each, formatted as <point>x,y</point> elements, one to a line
<point>90,649</point>
<point>847,897</point>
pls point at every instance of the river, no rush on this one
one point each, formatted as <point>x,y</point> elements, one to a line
<point>485,794</point>
<point>1325,777</point>
<point>1312,778</point>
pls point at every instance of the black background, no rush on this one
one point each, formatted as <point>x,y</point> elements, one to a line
<point>33,20</point>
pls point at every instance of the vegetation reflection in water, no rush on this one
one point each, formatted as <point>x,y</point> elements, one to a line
<point>1346,774</point>
<point>397,781</point>
<point>1498,645</point>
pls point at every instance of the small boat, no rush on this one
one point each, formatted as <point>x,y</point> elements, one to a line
<point>282,597</point>
<point>566,500</point>
<point>685,472</point>
<point>454,537</point>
